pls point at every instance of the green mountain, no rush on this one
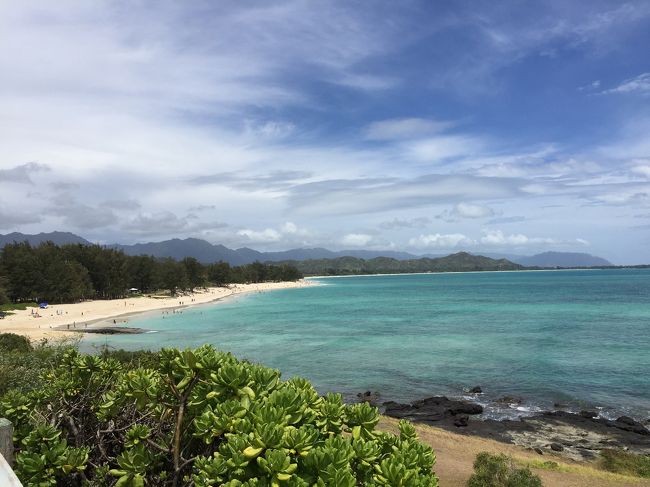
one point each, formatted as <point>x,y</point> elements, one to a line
<point>459,262</point>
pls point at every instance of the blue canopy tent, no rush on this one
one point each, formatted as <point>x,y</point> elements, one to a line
<point>42,305</point>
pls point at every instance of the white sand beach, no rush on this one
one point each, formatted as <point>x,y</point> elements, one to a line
<point>54,321</point>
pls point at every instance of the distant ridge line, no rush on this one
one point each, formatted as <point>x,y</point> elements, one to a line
<point>206,252</point>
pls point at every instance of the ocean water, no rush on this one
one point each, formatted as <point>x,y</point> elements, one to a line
<point>579,338</point>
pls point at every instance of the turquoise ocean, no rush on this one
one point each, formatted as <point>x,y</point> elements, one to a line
<point>576,338</point>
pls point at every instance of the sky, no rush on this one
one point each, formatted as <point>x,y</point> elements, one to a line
<point>425,126</point>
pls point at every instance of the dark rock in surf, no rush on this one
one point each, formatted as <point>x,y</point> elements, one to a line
<point>510,400</point>
<point>432,409</point>
<point>111,330</point>
<point>589,414</point>
<point>371,398</point>
<point>628,424</point>
<point>476,390</point>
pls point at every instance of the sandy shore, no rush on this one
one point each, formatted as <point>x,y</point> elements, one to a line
<point>54,321</point>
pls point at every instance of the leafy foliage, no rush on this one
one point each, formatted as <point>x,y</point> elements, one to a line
<point>499,471</point>
<point>10,342</point>
<point>74,272</point>
<point>22,364</point>
<point>204,418</point>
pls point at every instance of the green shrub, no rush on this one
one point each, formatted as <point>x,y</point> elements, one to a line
<point>9,306</point>
<point>499,471</point>
<point>204,418</point>
<point>10,342</point>
<point>132,358</point>
<point>623,462</point>
<point>24,370</point>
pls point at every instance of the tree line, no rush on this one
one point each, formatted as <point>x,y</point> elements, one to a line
<point>74,272</point>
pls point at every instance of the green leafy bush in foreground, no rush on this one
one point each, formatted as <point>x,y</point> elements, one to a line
<point>201,417</point>
<point>499,471</point>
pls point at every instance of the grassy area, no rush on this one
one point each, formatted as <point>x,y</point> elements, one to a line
<point>545,465</point>
<point>626,463</point>
<point>9,307</point>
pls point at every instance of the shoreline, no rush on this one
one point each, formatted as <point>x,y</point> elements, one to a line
<point>67,320</point>
<point>577,436</point>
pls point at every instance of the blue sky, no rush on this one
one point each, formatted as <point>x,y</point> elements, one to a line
<point>431,127</point>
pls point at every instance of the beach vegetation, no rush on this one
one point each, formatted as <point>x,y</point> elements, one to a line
<point>4,298</point>
<point>195,272</point>
<point>9,306</point>
<point>626,463</point>
<point>22,364</point>
<point>500,471</point>
<point>10,342</point>
<point>70,273</point>
<point>197,417</point>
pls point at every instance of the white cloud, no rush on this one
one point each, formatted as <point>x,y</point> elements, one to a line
<point>367,82</point>
<point>437,240</point>
<point>262,236</point>
<point>287,233</point>
<point>594,85</point>
<point>642,170</point>
<point>439,148</point>
<point>289,227</point>
<point>497,237</point>
<point>638,84</point>
<point>272,130</point>
<point>622,198</point>
<point>396,223</point>
<point>369,195</point>
<point>466,211</point>
<point>356,239</point>
<point>404,128</point>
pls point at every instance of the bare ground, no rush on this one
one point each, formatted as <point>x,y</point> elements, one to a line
<point>455,456</point>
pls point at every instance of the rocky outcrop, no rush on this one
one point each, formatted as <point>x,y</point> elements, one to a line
<point>578,436</point>
<point>371,398</point>
<point>433,410</point>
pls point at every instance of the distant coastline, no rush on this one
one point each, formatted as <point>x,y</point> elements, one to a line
<point>463,272</point>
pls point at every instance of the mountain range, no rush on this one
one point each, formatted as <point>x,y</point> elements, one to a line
<point>206,252</point>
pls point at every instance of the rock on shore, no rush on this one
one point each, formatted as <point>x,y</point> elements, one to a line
<point>576,436</point>
<point>111,330</point>
<point>432,409</point>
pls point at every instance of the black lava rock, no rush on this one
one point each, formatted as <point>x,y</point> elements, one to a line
<point>432,409</point>
<point>589,414</point>
<point>371,398</point>
<point>461,420</point>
